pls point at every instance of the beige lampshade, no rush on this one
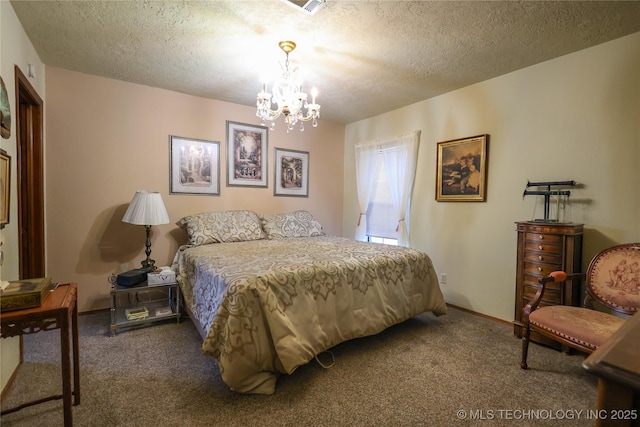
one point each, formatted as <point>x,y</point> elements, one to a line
<point>146,208</point>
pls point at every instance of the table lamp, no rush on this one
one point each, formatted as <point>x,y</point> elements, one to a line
<point>146,208</point>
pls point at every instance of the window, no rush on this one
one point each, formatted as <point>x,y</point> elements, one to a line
<point>400,156</point>
<point>382,218</point>
<point>374,239</point>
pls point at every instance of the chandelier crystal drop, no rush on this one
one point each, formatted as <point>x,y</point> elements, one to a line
<point>287,98</point>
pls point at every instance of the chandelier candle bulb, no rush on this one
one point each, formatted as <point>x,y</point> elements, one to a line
<point>314,93</point>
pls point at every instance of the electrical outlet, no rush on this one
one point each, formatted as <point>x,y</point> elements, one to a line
<point>443,278</point>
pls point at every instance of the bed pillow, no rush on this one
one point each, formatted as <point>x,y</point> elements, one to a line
<point>291,224</point>
<point>220,227</point>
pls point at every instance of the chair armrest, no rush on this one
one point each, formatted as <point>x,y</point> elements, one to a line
<point>554,276</point>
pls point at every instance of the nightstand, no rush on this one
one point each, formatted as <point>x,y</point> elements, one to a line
<point>139,305</point>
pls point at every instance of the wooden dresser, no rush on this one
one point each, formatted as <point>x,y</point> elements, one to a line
<point>544,247</point>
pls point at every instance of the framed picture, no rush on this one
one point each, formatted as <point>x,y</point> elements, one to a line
<point>194,166</point>
<point>5,176</point>
<point>291,173</point>
<point>461,170</point>
<point>5,112</point>
<point>246,155</point>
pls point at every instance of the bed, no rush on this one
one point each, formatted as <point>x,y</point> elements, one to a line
<point>270,293</point>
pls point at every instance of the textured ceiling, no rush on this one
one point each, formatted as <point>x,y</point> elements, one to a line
<point>365,57</point>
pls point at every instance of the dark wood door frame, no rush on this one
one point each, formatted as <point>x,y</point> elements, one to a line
<point>30,173</point>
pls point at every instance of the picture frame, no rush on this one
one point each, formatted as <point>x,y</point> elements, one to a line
<point>291,170</point>
<point>246,155</point>
<point>194,166</point>
<point>5,112</point>
<point>5,187</point>
<point>461,169</point>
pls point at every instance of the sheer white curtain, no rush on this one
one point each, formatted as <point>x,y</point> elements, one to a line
<point>366,166</point>
<point>400,156</point>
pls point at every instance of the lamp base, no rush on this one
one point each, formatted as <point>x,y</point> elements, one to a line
<point>148,264</point>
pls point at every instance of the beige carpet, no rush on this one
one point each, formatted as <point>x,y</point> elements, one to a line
<point>427,371</point>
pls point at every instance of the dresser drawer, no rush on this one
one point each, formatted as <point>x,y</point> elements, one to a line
<point>542,247</point>
<point>544,257</point>
<point>551,296</point>
<point>541,269</point>
<point>532,280</point>
<point>540,237</point>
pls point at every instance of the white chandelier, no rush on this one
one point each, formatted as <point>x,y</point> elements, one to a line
<point>287,98</point>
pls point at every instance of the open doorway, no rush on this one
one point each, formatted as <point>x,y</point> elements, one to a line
<point>30,173</point>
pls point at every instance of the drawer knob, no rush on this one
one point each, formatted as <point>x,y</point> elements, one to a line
<point>539,268</point>
<point>541,237</point>
<point>540,258</point>
<point>540,247</point>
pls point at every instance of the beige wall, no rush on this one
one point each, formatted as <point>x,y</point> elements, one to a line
<point>573,118</point>
<point>107,138</point>
<point>15,49</point>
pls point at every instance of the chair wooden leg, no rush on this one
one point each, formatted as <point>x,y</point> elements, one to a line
<point>525,345</point>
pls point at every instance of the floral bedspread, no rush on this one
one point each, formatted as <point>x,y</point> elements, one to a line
<point>265,307</point>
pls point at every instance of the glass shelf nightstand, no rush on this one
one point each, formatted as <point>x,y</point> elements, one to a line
<point>133,306</point>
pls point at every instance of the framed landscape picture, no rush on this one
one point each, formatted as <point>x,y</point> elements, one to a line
<point>246,155</point>
<point>194,166</point>
<point>461,170</point>
<point>291,173</point>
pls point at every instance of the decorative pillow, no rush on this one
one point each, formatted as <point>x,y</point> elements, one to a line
<point>219,227</point>
<point>291,224</point>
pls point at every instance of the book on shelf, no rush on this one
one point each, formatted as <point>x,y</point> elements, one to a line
<point>26,293</point>
<point>137,313</point>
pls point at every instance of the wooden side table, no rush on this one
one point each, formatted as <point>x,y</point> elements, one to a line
<point>54,313</point>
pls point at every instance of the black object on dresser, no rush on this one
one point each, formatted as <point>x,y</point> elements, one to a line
<point>544,247</point>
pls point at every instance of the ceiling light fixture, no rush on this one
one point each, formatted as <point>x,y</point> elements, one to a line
<point>309,6</point>
<point>287,98</point>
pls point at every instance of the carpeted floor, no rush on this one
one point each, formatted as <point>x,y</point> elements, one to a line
<point>458,369</point>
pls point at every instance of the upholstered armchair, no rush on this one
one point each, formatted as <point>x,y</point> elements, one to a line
<point>612,284</point>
